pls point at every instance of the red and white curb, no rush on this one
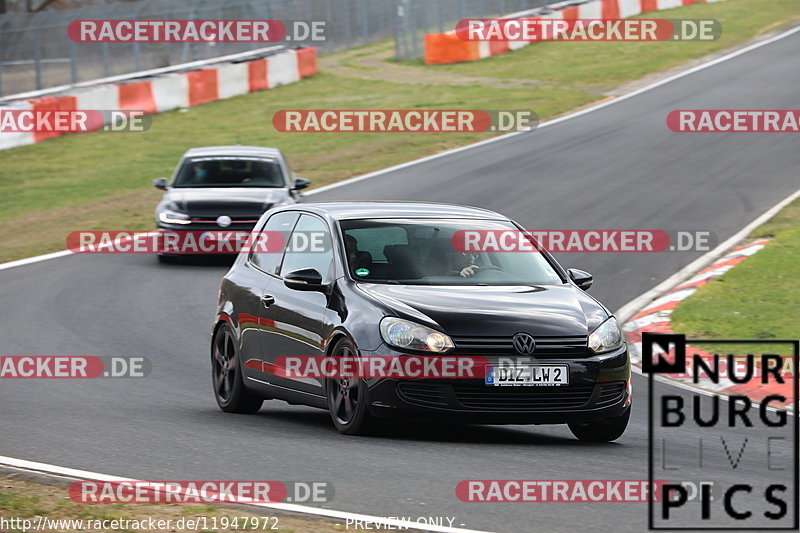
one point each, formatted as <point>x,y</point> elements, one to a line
<point>656,317</point>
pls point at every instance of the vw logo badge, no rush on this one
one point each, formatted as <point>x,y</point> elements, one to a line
<point>223,221</point>
<point>523,343</point>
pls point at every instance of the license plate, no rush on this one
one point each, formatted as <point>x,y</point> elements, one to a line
<point>527,375</point>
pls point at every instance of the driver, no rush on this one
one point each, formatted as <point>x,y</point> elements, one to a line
<point>200,172</point>
<point>455,263</point>
<point>464,264</point>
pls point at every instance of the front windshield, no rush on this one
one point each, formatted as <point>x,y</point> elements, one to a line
<point>229,172</point>
<point>421,252</point>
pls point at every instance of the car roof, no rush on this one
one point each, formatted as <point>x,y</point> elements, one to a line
<point>356,210</point>
<point>260,151</point>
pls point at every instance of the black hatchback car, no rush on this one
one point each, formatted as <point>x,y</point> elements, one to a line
<point>388,283</point>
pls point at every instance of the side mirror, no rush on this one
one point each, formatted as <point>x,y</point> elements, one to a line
<point>300,184</point>
<point>160,183</point>
<point>581,278</point>
<point>305,279</point>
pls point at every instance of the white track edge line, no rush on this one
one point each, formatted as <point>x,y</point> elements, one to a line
<point>34,259</point>
<point>61,471</point>
<point>557,120</point>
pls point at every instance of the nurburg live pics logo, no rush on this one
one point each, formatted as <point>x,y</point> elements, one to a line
<point>731,458</point>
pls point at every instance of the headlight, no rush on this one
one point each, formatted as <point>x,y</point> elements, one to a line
<point>168,216</point>
<point>607,337</point>
<point>412,336</point>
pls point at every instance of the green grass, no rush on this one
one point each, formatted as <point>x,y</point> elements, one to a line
<point>20,504</point>
<point>103,180</point>
<point>601,66</point>
<point>759,299</point>
<point>73,169</point>
<point>24,499</point>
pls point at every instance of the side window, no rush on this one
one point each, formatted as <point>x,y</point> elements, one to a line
<point>309,247</point>
<point>282,222</point>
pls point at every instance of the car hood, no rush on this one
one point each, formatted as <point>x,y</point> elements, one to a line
<point>542,310</point>
<point>227,200</point>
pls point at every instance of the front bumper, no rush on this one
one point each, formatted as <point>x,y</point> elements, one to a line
<point>208,239</point>
<point>598,388</point>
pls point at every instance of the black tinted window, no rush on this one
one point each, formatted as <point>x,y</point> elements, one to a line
<point>421,252</point>
<point>309,247</point>
<point>229,172</point>
<point>282,222</point>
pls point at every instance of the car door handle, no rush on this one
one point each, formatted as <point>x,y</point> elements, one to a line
<point>267,300</point>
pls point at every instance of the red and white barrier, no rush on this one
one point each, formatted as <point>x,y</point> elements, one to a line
<point>168,91</point>
<point>657,318</point>
<point>444,48</point>
<point>12,139</point>
<point>282,69</point>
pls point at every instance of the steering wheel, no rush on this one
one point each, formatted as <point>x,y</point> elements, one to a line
<point>486,268</point>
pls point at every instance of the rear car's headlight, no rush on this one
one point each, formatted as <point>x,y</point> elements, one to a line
<point>607,337</point>
<point>412,336</point>
<point>168,216</point>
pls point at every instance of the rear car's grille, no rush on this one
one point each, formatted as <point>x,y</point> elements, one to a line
<point>239,220</point>
<point>610,393</point>
<point>479,396</point>
<point>424,393</point>
<point>573,345</point>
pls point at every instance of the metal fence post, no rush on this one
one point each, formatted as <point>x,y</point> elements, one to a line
<point>37,56</point>
<point>73,61</point>
<point>2,24</point>
<point>365,20</point>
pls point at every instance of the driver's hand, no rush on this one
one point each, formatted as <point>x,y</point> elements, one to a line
<point>468,271</point>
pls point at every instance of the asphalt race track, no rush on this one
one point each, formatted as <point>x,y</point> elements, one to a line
<point>617,168</point>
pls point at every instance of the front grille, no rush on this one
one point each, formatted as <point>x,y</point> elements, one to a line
<point>545,345</point>
<point>210,219</point>
<point>479,396</point>
<point>424,393</point>
<point>610,393</point>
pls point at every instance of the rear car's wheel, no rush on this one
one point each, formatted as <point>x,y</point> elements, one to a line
<point>347,398</point>
<point>226,375</point>
<point>602,430</point>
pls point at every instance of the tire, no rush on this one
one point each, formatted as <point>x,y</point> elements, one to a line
<point>348,398</point>
<point>226,375</point>
<point>603,430</point>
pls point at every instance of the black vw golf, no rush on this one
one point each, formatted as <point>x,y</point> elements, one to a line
<point>384,280</point>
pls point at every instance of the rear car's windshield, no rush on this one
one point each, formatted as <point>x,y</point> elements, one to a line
<point>229,172</point>
<point>421,252</point>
